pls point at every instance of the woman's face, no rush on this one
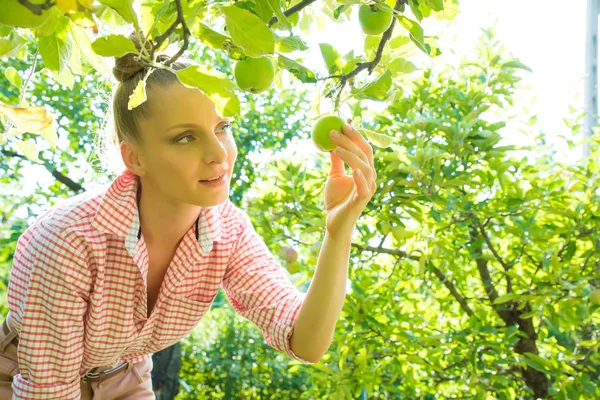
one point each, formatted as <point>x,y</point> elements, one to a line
<point>184,141</point>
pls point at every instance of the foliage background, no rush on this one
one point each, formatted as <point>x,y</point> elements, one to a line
<point>422,319</point>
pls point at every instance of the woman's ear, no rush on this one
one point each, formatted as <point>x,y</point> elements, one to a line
<point>131,155</point>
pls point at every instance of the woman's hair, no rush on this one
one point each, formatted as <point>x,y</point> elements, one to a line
<point>120,123</point>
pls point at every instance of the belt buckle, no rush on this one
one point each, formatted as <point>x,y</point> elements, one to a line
<point>94,375</point>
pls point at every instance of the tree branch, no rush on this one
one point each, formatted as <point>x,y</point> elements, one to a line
<point>65,180</point>
<point>450,286</point>
<point>37,9</point>
<point>292,10</point>
<point>186,34</point>
<point>506,267</point>
<point>370,66</point>
<point>394,252</point>
<point>486,278</point>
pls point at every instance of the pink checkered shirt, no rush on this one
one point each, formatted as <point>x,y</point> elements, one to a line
<point>77,289</point>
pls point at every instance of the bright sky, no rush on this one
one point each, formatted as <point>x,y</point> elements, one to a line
<point>546,35</point>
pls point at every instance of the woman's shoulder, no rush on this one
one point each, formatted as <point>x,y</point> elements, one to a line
<point>76,210</point>
<point>231,214</point>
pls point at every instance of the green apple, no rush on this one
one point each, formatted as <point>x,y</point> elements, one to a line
<point>293,268</point>
<point>321,129</point>
<point>13,13</point>
<point>373,19</point>
<point>595,296</point>
<point>254,75</point>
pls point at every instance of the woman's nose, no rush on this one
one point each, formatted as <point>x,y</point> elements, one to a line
<point>215,151</point>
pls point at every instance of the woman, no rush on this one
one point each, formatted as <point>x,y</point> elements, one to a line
<point>104,280</point>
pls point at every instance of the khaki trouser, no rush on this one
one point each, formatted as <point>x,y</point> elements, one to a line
<point>133,382</point>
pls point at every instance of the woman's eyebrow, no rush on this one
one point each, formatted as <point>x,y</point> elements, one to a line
<point>192,125</point>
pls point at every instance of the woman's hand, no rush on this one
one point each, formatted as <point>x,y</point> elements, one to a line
<point>347,196</point>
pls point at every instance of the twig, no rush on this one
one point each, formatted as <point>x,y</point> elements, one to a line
<point>370,66</point>
<point>37,9</point>
<point>506,267</point>
<point>292,10</point>
<point>450,286</point>
<point>186,34</point>
<point>24,88</point>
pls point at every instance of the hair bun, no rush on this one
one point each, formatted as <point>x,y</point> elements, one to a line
<point>128,65</point>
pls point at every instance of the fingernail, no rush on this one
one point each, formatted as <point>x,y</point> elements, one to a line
<point>334,134</point>
<point>340,150</point>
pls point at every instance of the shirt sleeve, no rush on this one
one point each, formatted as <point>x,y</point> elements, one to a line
<point>259,290</point>
<point>45,280</point>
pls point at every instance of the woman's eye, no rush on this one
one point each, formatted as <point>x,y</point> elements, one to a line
<point>183,137</point>
<point>228,126</point>
<point>225,128</point>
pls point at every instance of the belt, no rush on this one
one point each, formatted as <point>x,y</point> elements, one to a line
<point>105,374</point>
<point>90,376</point>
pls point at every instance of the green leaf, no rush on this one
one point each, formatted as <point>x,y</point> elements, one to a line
<point>290,44</point>
<point>125,9</point>
<point>215,85</point>
<point>30,149</point>
<point>516,64</point>
<point>263,9</point>
<point>331,57</point>
<point>377,90</point>
<point>138,96</point>
<point>11,46</point>
<point>56,49</point>
<point>248,31</point>
<point>113,46</point>
<point>13,77</point>
<point>546,365</point>
<point>211,37</point>
<point>399,41</point>
<point>415,359</point>
<point>298,70</point>
<point>436,5</point>
<point>49,133</point>
<point>54,20</point>
<point>5,30</point>
<point>401,65</point>
<point>64,77</point>
<point>379,139</point>
<point>416,32</point>
<point>571,248</point>
<point>83,41</point>
<point>414,7</point>
<point>506,298</point>
<point>282,20</point>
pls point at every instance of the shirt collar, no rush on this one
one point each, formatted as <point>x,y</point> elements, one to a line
<point>118,214</point>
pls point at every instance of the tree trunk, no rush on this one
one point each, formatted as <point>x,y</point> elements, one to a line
<point>165,372</point>
<point>536,380</point>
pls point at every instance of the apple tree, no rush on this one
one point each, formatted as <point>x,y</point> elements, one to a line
<point>475,269</point>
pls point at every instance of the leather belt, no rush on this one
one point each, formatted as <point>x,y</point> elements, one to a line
<point>90,376</point>
<point>105,374</point>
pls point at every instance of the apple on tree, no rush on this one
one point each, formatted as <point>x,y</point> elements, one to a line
<point>254,75</point>
<point>321,129</point>
<point>374,19</point>
<point>289,254</point>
